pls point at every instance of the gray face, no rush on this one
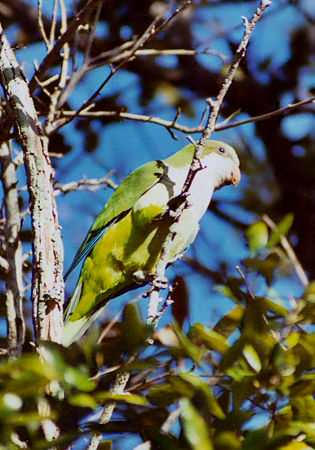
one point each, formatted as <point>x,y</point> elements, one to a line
<point>227,151</point>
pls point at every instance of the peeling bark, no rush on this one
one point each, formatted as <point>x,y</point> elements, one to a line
<point>47,282</point>
<point>13,253</point>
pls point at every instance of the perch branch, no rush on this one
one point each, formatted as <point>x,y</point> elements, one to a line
<point>215,105</point>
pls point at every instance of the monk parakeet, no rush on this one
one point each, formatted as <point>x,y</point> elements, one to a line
<point>127,237</point>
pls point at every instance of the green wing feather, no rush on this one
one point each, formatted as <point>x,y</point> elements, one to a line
<point>123,199</point>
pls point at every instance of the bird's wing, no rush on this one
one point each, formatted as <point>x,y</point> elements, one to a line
<point>123,199</point>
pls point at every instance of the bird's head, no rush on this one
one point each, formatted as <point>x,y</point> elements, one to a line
<point>223,162</point>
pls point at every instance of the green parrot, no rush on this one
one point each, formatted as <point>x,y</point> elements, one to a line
<point>123,245</point>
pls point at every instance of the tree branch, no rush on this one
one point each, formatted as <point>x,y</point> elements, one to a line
<point>152,30</point>
<point>64,38</point>
<point>13,253</point>
<point>173,124</point>
<point>48,286</point>
<point>119,387</point>
<point>85,184</point>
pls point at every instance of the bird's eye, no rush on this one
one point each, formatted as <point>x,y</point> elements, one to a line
<point>222,150</point>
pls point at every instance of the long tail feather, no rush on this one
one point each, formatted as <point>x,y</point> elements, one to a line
<point>74,330</point>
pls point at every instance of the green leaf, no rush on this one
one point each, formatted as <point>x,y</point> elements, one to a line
<point>269,305</point>
<point>226,440</point>
<point>233,354</point>
<point>52,353</point>
<point>230,322</point>
<point>210,338</point>
<point>303,408</point>
<point>132,399</point>
<point>303,387</point>
<point>232,289</point>
<point>200,387</point>
<point>78,379</point>
<point>83,400</point>
<point>242,390</point>
<point>256,439</point>
<point>257,236</point>
<point>283,228</point>
<point>186,348</point>
<point>266,266</point>
<point>252,357</point>
<point>165,395</point>
<point>134,333</point>
<point>309,294</point>
<point>195,428</point>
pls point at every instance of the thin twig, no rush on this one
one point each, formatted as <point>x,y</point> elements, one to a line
<point>119,387</point>
<point>65,48</point>
<point>41,25</point>
<point>289,250</point>
<point>85,184</point>
<point>173,124</point>
<point>53,26</point>
<point>150,31</point>
<point>115,55</point>
<point>77,75</point>
<point>65,37</point>
<point>53,98</point>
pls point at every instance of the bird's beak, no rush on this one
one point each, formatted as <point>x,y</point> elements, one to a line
<point>235,175</point>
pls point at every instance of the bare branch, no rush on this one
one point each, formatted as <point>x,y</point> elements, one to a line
<point>118,53</point>
<point>52,33</point>
<point>77,75</point>
<point>86,184</point>
<point>277,112</point>
<point>150,31</point>
<point>119,387</point>
<point>13,254</point>
<point>48,285</point>
<point>65,37</point>
<point>173,124</point>
<point>63,73</point>
<point>41,25</point>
